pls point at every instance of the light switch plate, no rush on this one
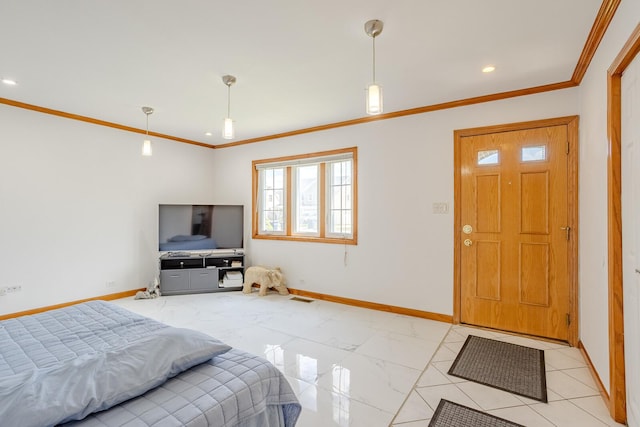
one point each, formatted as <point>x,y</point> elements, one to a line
<point>440,208</point>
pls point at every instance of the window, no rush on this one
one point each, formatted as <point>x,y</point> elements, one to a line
<point>341,214</point>
<point>306,197</point>
<point>310,197</point>
<point>272,195</point>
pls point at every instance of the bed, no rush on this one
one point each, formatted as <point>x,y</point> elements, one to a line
<point>98,364</point>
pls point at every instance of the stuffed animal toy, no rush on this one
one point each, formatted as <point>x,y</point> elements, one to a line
<point>153,291</point>
<point>266,278</point>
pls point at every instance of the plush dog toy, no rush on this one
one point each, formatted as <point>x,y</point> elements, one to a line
<point>153,291</point>
<point>266,278</point>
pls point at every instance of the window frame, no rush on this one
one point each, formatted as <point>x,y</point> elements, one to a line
<point>323,159</point>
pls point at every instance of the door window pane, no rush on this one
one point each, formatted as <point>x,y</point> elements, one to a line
<point>488,157</point>
<point>534,153</point>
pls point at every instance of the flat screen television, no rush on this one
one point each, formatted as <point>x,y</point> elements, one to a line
<point>202,228</point>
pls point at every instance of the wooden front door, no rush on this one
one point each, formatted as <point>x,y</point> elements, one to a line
<point>515,230</point>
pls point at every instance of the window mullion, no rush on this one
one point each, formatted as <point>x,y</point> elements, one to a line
<point>289,195</point>
<point>322,208</point>
<point>258,185</point>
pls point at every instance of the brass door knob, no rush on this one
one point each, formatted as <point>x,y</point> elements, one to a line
<point>468,242</point>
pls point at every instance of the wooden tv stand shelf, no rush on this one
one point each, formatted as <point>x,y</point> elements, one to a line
<point>200,273</point>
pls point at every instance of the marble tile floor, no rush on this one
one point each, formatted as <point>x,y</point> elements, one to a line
<point>352,366</point>
<point>572,393</point>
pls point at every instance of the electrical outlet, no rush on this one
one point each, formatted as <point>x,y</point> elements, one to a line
<point>110,284</point>
<point>10,289</point>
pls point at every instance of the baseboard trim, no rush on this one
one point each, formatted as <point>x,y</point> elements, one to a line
<point>108,297</point>
<point>374,305</point>
<point>324,297</point>
<point>594,374</point>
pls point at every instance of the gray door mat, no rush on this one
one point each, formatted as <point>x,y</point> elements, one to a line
<point>449,414</point>
<point>502,365</point>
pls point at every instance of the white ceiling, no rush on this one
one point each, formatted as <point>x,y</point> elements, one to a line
<point>298,63</point>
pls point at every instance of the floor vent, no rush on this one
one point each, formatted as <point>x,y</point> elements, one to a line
<point>301,299</point>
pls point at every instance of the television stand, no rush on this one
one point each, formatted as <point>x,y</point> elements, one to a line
<point>195,273</point>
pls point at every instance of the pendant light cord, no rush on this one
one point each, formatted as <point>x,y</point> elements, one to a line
<point>229,100</point>
<point>374,59</point>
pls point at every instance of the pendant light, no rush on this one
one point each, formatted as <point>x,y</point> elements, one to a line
<point>373,29</point>
<point>146,145</point>
<point>227,130</point>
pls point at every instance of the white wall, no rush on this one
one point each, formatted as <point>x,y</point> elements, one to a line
<point>404,255</point>
<point>593,190</point>
<point>78,206</point>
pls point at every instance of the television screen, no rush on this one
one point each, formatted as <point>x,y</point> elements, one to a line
<point>200,227</point>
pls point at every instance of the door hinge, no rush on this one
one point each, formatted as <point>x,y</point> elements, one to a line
<point>568,319</point>
<point>567,147</point>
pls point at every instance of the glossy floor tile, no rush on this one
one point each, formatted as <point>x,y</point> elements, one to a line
<point>352,366</point>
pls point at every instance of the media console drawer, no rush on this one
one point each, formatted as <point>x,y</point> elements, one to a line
<point>174,281</point>
<point>203,279</point>
<point>179,263</point>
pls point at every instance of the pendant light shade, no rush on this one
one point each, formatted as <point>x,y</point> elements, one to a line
<point>146,144</point>
<point>373,29</point>
<point>146,148</point>
<point>227,129</point>
<point>374,99</point>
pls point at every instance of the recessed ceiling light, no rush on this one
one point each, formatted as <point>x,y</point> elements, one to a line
<point>9,82</point>
<point>488,69</point>
<point>208,134</point>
